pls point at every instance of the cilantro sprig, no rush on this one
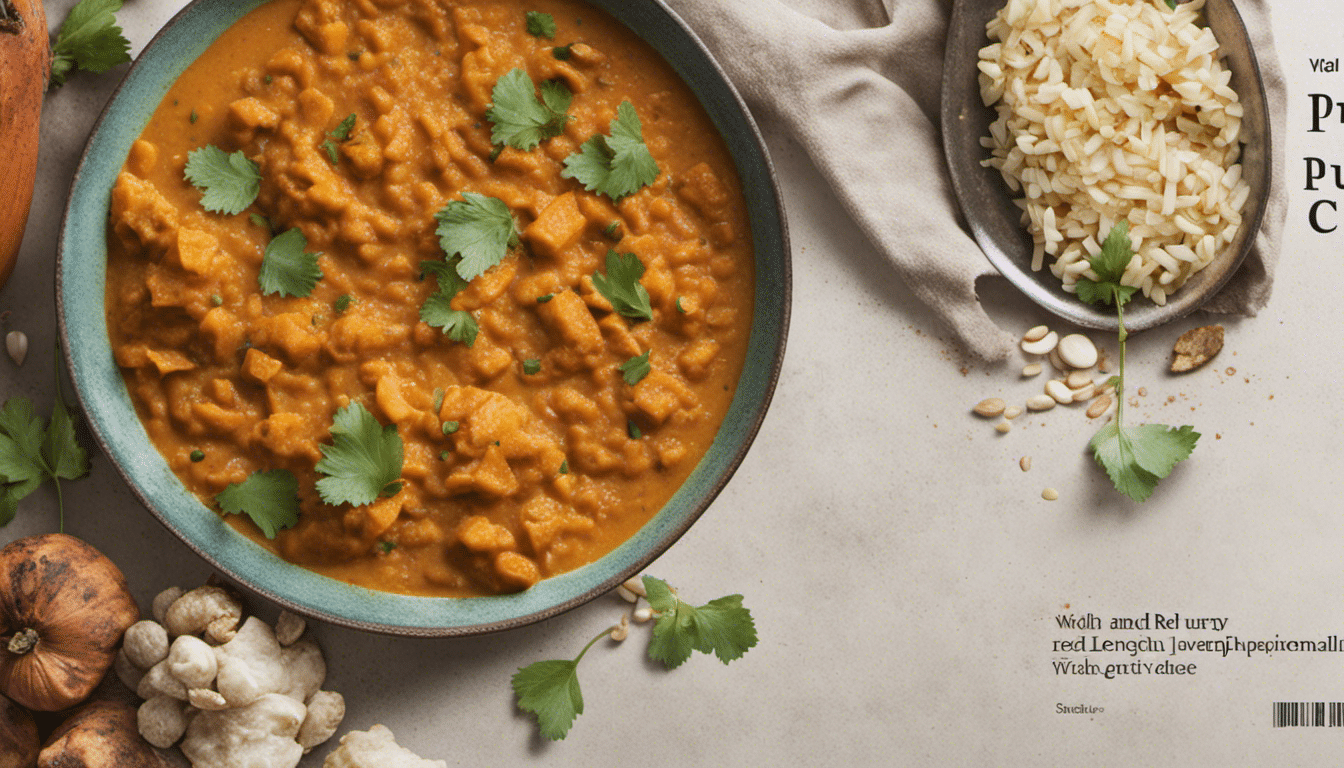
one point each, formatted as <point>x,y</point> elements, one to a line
<point>364,460</point>
<point>521,120</point>
<point>723,627</point>
<point>1135,458</point>
<point>615,166</point>
<point>541,25</point>
<point>480,229</point>
<point>89,39</point>
<point>230,182</point>
<point>271,499</point>
<point>288,269</point>
<point>621,285</point>
<point>635,369</point>
<point>31,455</point>
<point>438,310</point>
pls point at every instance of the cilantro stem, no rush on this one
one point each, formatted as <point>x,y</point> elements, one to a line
<point>1120,376</point>
<point>592,642</point>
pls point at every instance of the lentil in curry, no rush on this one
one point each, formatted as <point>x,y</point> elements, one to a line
<point>526,453</point>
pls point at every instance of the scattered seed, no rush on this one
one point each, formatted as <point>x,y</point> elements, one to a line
<point>1049,494</point>
<point>1042,345</point>
<point>989,407</point>
<point>635,584</point>
<point>1012,412</point>
<point>621,631</point>
<point>1031,370</point>
<point>1057,362</point>
<point>1078,380</point>
<point>1099,406</point>
<point>1040,403</point>
<point>1143,392</point>
<point>1084,393</point>
<point>1196,347</point>
<point>1035,334</point>
<point>16,343</point>
<point>1024,463</point>
<point>1002,427</point>
<point>626,594</point>
<point>1058,392</point>
<point>1104,366</point>
<point>1077,351</point>
<point>642,614</point>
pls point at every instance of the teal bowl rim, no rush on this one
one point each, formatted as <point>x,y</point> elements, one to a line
<point>81,273</point>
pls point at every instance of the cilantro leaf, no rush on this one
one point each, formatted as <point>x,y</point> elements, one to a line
<point>343,130</point>
<point>64,456</point>
<point>550,690</point>
<point>286,268</point>
<point>521,120</point>
<point>438,310</point>
<point>364,460</point>
<point>1109,265</point>
<point>541,24</point>
<point>616,166</point>
<point>30,455</point>
<point>480,229</point>
<point>329,147</point>
<point>457,324</point>
<point>90,40</point>
<point>621,285</point>
<point>722,627</point>
<point>635,369</point>
<point>230,183</point>
<point>271,499</point>
<point>1135,458</point>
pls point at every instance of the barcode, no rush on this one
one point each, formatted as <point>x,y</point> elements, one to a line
<point>1308,714</point>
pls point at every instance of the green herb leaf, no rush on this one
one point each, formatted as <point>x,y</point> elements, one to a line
<point>1171,4</point>
<point>550,690</point>
<point>30,455</point>
<point>531,367</point>
<point>621,285</point>
<point>635,369</point>
<point>260,221</point>
<point>90,40</point>
<point>271,499</point>
<point>1109,266</point>
<point>541,24</point>
<point>197,456</point>
<point>342,303</point>
<point>521,120</point>
<point>286,268</point>
<point>632,429</point>
<point>1135,458</point>
<point>480,229</point>
<point>438,310</point>
<point>722,627</point>
<point>342,131</point>
<point>562,52</point>
<point>230,183</point>
<point>329,147</point>
<point>449,427</point>
<point>617,166</point>
<point>364,459</point>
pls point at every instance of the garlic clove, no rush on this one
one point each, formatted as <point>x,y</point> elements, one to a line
<point>16,343</point>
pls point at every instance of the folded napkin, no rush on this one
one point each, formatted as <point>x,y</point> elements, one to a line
<point>870,71</point>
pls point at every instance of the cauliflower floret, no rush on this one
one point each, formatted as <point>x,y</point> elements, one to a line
<point>376,748</point>
<point>259,735</point>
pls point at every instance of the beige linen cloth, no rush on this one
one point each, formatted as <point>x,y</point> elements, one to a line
<point>856,83</point>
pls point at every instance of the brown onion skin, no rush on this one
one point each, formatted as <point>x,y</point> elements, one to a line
<point>76,602</point>
<point>25,64</point>
<point>18,736</point>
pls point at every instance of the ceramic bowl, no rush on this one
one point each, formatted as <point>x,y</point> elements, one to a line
<point>81,274</point>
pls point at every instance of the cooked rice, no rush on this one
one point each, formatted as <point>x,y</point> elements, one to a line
<point>1111,109</point>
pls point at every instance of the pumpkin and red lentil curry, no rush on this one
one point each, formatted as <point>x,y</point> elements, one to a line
<point>447,296</point>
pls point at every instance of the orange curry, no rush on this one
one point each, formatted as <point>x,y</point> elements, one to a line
<point>526,453</point>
